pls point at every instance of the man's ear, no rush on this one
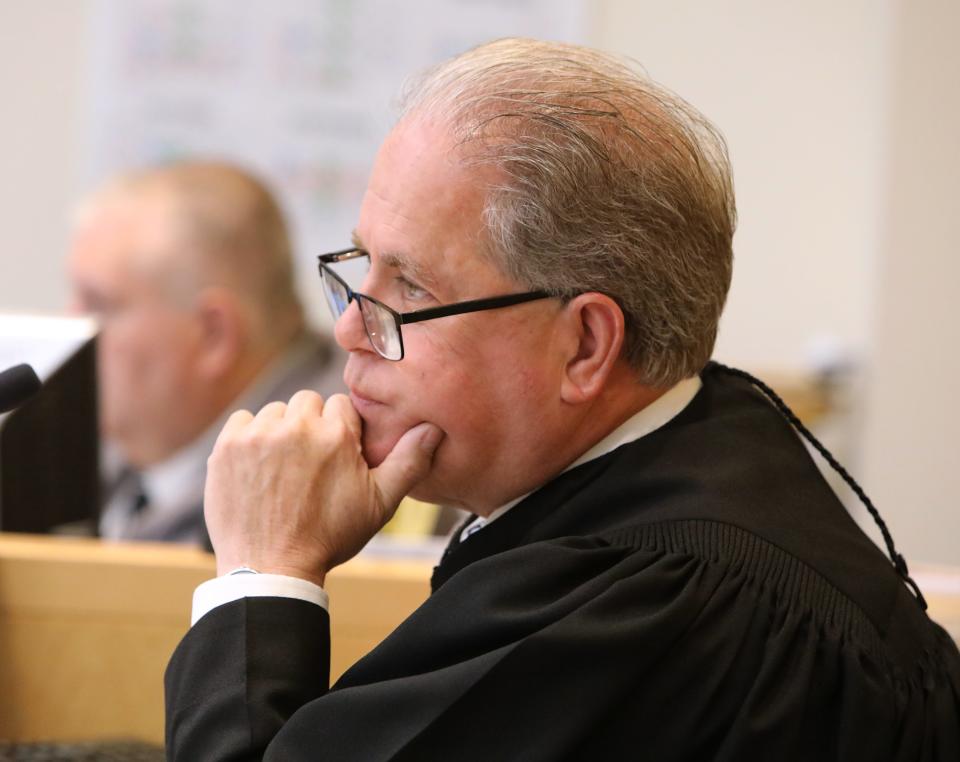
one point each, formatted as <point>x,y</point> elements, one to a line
<point>597,322</point>
<point>223,332</point>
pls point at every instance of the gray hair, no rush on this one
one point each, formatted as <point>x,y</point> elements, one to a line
<point>611,183</point>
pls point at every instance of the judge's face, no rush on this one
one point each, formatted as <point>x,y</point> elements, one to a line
<point>489,379</point>
<point>147,343</point>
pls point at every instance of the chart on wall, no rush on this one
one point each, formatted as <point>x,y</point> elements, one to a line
<point>301,91</point>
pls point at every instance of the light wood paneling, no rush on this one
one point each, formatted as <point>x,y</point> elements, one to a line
<point>87,628</point>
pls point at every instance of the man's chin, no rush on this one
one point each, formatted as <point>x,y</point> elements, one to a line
<point>426,493</point>
<point>376,448</point>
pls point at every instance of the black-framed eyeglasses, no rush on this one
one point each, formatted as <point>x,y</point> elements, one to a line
<point>382,323</point>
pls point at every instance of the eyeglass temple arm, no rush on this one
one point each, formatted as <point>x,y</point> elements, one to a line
<point>474,305</point>
<point>341,256</point>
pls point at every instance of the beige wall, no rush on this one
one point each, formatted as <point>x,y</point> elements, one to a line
<point>42,57</point>
<point>799,90</point>
<point>912,436</point>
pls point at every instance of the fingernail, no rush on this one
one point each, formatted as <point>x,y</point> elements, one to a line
<point>430,438</point>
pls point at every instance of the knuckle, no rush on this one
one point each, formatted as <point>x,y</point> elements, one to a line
<point>224,445</point>
<point>339,397</point>
<point>306,395</point>
<point>273,407</point>
<point>339,434</point>
<point>217,456</point>
<point>274,437</point>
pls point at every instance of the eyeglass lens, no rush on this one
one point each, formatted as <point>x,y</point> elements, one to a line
<point>378,322</point>
<point>337,297</point>
<point>381,328</point>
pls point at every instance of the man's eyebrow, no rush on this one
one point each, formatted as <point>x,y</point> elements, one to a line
<point>399,261</point>
<point>407,266</point>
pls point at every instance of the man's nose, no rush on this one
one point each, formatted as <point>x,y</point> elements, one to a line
<point>349,331</point>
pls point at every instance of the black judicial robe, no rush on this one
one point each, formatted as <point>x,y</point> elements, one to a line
<point>699,594</point>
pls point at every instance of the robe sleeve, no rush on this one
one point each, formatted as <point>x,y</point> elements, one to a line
<point>240,673</point>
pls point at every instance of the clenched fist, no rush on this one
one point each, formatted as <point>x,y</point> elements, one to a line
<point>288,491</point>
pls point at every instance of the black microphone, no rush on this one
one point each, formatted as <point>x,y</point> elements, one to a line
<point>17,384</point>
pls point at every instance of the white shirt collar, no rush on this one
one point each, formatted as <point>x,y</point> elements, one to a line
<point>658,413</point>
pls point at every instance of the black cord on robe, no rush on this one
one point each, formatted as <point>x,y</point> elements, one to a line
<point>899,562</point>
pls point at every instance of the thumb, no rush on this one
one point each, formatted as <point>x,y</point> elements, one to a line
<point>408,463</point>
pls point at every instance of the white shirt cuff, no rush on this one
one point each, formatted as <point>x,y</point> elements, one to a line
<point>216,592</point>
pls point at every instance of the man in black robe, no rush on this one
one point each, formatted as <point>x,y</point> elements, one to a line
<point>654,567</point>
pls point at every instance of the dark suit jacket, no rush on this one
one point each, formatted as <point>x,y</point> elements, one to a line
<point>699,594</point>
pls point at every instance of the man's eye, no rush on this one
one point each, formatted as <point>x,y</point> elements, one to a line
<point>91,304</point>
<point>411,291</point>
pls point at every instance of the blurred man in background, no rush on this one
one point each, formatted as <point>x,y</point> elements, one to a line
<point>187,268</point>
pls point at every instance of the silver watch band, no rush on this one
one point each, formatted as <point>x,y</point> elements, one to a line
<point>242,570</point>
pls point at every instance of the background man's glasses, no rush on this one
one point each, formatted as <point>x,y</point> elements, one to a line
<point>382,323</point>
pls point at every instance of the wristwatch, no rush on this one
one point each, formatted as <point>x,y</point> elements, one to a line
<point>242,570</point>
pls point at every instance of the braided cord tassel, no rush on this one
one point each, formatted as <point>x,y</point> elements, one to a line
<point>899,562</point>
